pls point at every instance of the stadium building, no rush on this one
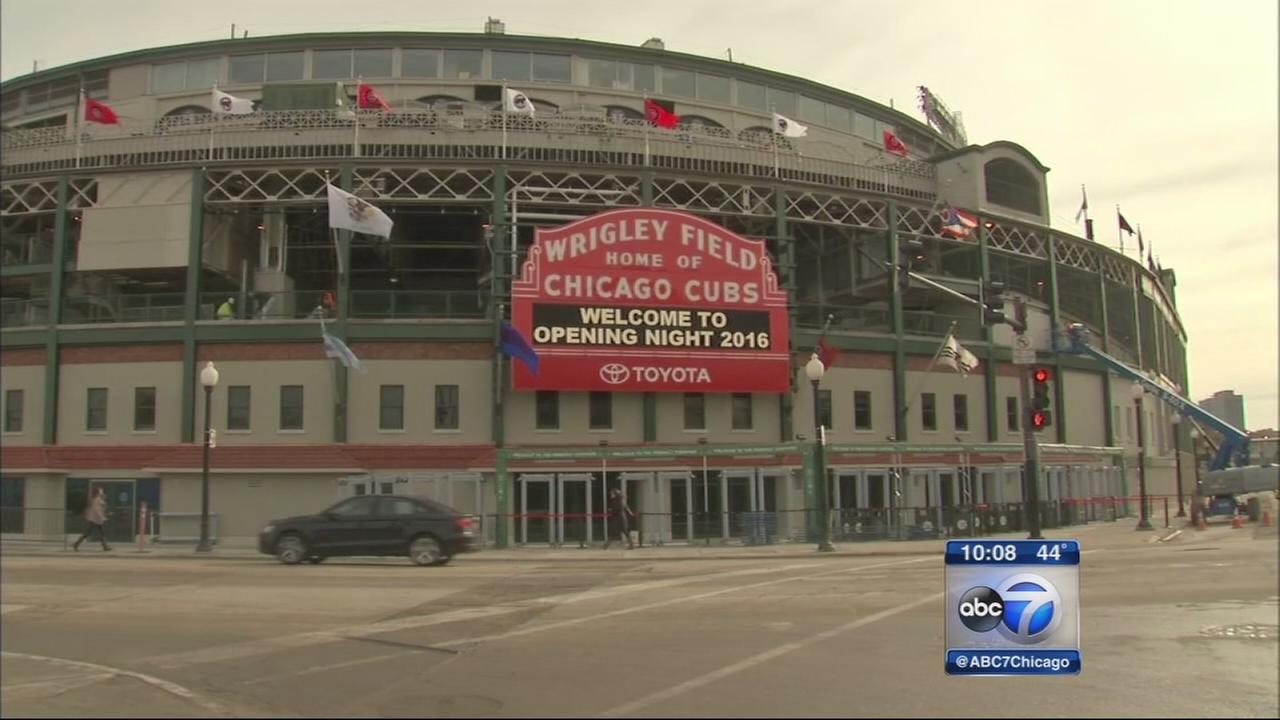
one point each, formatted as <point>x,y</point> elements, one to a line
<point>139,250</point>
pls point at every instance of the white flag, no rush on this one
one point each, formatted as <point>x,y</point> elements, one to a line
<point>954,355</point>
<point>514,101</point>
<point>225,104</point>
<point>348,212</point>
<point>788,127</point>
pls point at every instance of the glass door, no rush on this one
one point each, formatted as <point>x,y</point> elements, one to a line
<point>739,497</point>
<point>575,509</point>
<point>536,507</point>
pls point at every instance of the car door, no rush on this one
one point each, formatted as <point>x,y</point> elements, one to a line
<point>344,528</point>
<point>393,523</point>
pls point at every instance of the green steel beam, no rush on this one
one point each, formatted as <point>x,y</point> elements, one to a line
<point>502,481</point>
<point>1055,317</point>
<point>1137,316</point>
<point>498,293</point>
<point>787,256</point>
<point>646,189</point>
<point>895,303</point>
<point>988,340</point>
<point>191,303</point>
<point>344,311</point>
<point>26,270</point>
<point>61,237</point>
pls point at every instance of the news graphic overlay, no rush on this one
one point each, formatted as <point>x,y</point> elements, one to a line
<point>1013,607</point>
<point>646,300</point>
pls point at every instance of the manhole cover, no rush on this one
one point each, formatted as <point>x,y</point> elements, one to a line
<point>1243,632</point>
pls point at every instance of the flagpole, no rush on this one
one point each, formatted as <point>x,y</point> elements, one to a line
<point>355,146</point>
<point>213,124</point>
<point>80,104</point>
<point>646,132</point>
<point>1119,232</point>
<point>504,121</point>
<point>906,407</point>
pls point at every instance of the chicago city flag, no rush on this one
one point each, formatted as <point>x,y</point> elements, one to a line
<point>348,212</point>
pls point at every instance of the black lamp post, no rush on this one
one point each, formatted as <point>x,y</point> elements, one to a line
<point>209,380</point>
<point>1177,460</point>
<point>1143,522</point>
<point>814,370</point>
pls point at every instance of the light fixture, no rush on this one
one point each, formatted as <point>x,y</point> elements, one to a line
<point>1136,391</point>
<point>814,369</point>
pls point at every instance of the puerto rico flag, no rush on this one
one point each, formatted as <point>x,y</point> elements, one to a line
<point>958,223</point>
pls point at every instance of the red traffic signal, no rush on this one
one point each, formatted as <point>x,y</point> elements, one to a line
<point>1040,375</point>
<point>1039,419</point>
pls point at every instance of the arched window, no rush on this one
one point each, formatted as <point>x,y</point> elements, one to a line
<point>763,136</point>
<point>699,120</point>
<point>1012,185</point>
<point>187,110</point>
<point>619,113</point>
<point>442,102</point>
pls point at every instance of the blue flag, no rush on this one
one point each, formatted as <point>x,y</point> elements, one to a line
<point>512,344</point>
<point>335,348</point>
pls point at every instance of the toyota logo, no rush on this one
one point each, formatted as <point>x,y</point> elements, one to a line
<point>614,373</point>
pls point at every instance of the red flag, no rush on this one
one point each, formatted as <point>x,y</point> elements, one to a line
<point>826,353</point>
<point>893,144</point>
<point>97,112</point>
<point>367,98</point>
<point>658,115</point>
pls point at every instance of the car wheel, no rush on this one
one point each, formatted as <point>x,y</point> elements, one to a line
<point>316,559</point>
<point>426,550</point>
<point>290,549</point>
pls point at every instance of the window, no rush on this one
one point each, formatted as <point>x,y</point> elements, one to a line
<point>331,64</point>
<point>864,127</point>
<point>601,411</point>
<point>713,88</point>
<point>462,64</point>
<point>824,408</point>
<point>238,397</point>
<point>929,411</point>
<point>391,407</point>
<point>695,411</point>
<point>247,68</point>
<point>446,407</point>
<point>290,407</point>
<point>13,411</point>
<point>811,110</point>
<point>373,62</point>
<point>743,418</point>
<point>839,118</point>
<point>144,408</point>
<point>355,506</point>
<point>862,409</point>
<point>1012,185</point>
<point>1011,414</point>
<point>781,101</point>
<point>284,66</point>
<point>644,77</point>
<point>96,416</point>
<point>169,77</point>
<point>510,65</point>
<point>961,412</point>
<point>398,506</point>
<point>680,83</point>
<point>751,96</point>
<point>415,62</point>
<point>548,410</point>
<point>203,74</point>
<point>551,68</point>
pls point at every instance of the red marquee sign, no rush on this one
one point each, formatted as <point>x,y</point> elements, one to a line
<point>644,300</point>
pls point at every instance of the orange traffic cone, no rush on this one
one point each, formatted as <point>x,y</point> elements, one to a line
<point>1266,518</point>
<point>1237,522</point>
<point>1200,523</point>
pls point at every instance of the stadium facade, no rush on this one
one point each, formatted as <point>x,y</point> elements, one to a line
<point>136,252</point>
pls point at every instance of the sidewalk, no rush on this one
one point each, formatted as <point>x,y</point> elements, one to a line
<point>1101,534</point>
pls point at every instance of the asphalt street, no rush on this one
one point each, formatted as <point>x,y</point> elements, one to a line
<point>1180,628</point>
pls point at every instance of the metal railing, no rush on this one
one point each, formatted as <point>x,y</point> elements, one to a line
<point>24,312</point>
<point>850,319</point>
<point>928,323</point>
<point>124,308</point>
<point>419,304</point>
<point>467,135</point>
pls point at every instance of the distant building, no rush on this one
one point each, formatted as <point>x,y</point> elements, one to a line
<point>1227,405</point>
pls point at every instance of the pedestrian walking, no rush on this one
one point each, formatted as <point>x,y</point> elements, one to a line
<point>619,515</point>
<point>96,517</point>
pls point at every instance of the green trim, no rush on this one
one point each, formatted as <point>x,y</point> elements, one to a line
<point>478,330</point>
<point>340,380</point>
<point>195,267</point>
<point>25,337</point>
<point>52,374</point>
<point>497,297</point>
<point>1006,144</point>
<point>502,482</point>
<point>650,409</point>
<point>895,308</point>
<point>1107,400</point>
<point>991,383</point>
<point>1055,317</point>
<point>25,270</point>
<point>787,256</point>
<point>1137,319</point>
<point>506,456</point>
<point>646,189</point>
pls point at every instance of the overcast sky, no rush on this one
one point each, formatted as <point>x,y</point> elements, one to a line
<point>1167,108</point>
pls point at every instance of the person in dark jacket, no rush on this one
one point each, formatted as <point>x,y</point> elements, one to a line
<point>619,519</point>
<point>95,515</point>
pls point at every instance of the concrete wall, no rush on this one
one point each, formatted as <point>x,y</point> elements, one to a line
<point>246,502</point>
<point>419,378</point>
<point>120,379</point>
<point>843,382</point>
<point>945,383</point>
<point>264,380</point>
<point>30,380</point>
<point>1084,411</point>
<point>139,221</point>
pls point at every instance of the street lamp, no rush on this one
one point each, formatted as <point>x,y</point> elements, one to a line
<point>209,380</point>
<point>1196,507</point>
<point>814,370</point>
<point>1177,460</point>
<point>1137,391</point>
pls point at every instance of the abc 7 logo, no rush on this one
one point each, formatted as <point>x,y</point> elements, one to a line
<point>1024,608</point>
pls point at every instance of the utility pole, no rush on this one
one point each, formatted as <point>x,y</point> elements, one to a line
<point>1030,448</point>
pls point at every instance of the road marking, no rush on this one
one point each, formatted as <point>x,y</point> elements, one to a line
<point>326,668</point>
<point>238,651</point>
<point>663,603</point>
<point>52,687</point>
<point>155,682</point>
<point>766,656</point>
<point>6,608</point>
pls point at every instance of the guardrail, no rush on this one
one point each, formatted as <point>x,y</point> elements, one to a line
<point>467,135</point>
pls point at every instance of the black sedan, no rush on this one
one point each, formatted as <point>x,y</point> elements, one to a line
<point>428,532</point>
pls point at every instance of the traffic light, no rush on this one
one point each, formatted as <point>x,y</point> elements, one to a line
<point>1041,417</point>
<point>991,297</point>
<point>911,258</point>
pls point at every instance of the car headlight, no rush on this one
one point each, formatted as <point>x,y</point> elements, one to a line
<point>268,529</point>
